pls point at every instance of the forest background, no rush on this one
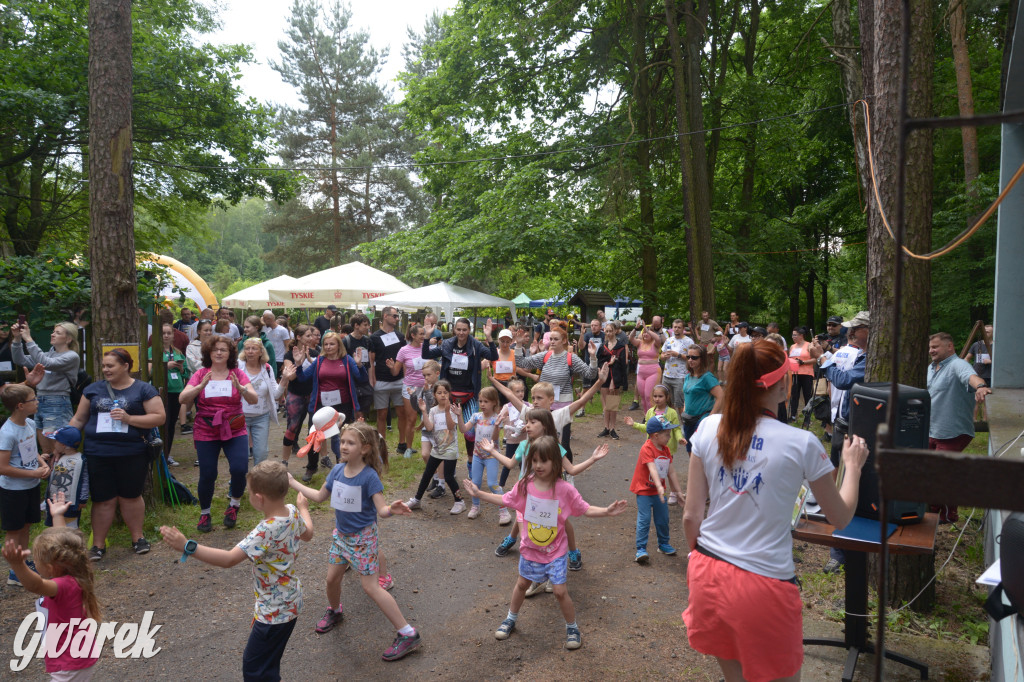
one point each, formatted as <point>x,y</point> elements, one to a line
<point>643,148</point>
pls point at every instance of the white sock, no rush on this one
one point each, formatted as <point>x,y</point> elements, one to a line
<point>407,631</point>
<point>204,511</point>
<point>235,501</point>
<point>512,616</point>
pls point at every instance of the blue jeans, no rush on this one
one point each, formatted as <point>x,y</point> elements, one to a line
<point>236,450</point>
<point>53,412</point>
<point>645,504</point>
<point>259,433</point>
<point>477,474</point>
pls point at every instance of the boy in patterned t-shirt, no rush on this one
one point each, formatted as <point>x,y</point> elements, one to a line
<point>273,548</point>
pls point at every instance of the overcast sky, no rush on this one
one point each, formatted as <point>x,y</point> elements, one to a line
<point>262,23</point>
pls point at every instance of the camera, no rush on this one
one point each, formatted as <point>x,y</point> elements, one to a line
<point>823,338</point>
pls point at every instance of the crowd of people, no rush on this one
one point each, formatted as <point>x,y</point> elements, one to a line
<point>727,395</point>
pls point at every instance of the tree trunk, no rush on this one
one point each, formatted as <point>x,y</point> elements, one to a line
<point>335,187</point>
<point>111,226</point>
<point>685,156</point>
<point>852,77</point>
<point>907,574</point>
<point>642,94</point>
<point>749,160</point>
<point>695,21</point>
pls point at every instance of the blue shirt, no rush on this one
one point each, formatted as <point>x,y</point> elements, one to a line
<point>11,435</point>
<point>368,483</point>
<point>952,398</point>
<point>697,394</point>
<point>112,443</point>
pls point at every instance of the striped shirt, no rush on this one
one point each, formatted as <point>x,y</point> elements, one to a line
<point>556,370</point>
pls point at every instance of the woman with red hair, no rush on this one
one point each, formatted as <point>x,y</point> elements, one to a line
<point>744,603</point>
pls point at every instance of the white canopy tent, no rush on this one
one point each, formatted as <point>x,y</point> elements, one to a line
<point>349,285</point>
<point>445,297</point>
<point>258,295</point>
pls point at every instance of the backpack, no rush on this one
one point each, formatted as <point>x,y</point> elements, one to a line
<point>81,381</point>
<point>568,358</point>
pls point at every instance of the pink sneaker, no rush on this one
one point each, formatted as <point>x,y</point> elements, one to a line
<point>386,582</point>
<point>504,517</point>
<point>402,646</point>
<point>330,619</point>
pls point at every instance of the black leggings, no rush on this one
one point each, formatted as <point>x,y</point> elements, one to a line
<point>171,423</point>
<point>801,383</point>
<point>566,439</point>
<point>449,476</point>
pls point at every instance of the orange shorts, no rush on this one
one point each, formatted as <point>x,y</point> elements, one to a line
<point>738,615</point>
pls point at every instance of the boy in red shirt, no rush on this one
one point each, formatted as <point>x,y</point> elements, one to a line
<point>653,469</point>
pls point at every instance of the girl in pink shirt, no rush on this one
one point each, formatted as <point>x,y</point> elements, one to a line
<point>65,581</point>
<point>545,502</point>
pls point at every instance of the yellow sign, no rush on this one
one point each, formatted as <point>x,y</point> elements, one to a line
<point>131,348</point>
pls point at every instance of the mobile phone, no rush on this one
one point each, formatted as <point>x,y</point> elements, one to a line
<point>21,320</point>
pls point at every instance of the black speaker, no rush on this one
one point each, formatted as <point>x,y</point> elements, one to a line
<point>869,407</point>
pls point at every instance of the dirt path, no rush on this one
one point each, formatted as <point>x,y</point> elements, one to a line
<point>450,585</point>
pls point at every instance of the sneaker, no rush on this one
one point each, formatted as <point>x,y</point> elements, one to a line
<point>141,546</point>
<point>506,544</point>
<point>412,451</point>
<point>307,477</point>
<point>330,619</point>
<point>195,463</point>
<point>581,413</point>
<point>407,454</point>
<point>833,566</point>
<point>672,498</point>
<point>634,407</point>
<point>505,629</point>
<point>474,511</point>
<point>548,587</point>
<point>614,435</point>
<point>573,638</point>
<point>438,492</point>
<point>433,484</point>
<point>575,559</point>
<point>413,503</point>
<point>325,462</point>
<point>458,507</point>
<point>641,557</point>
<point>205,525</point>
<point>604,433</point>
<point>12,579</point>
<point>186,429</point>
<point>535,588</point>
<point>403,644</point>
<point>96,553</point>
<point>667,550</point>
<point>171,462</point>
<point>504,517</point>
<point>386,582</point>
<point>230,516</point>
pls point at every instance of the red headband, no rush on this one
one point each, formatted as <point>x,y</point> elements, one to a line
<point>771,378</point>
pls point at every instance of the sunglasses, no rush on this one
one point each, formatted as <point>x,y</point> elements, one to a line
<point>693,357</point>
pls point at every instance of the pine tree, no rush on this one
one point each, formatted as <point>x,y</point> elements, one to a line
<point>343,135</point>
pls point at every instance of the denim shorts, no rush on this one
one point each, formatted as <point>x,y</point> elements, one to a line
<point>54,411</point>
<point>557,571</point>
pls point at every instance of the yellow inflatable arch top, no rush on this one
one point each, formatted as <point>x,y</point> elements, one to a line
<point>194,286</point>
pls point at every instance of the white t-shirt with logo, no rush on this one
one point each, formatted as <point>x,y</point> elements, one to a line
<point>749,519</point>
<point>844,359</point>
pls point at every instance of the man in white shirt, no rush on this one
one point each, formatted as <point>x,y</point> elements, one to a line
<point>232,333</point>
<point>278,335</point>
<point>673,354</point>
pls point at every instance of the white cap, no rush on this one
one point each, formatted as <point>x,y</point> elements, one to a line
<point>323,417</point>
<point>504,334</point>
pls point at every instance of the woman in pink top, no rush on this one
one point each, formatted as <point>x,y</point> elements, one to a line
<point>648,371</point>
<point>218,389</point>
<point>409,357</point>
<point>803,375</point>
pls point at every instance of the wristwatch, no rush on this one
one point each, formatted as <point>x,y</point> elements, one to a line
<point>190,548</point>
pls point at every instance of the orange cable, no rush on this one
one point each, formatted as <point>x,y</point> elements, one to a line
<point>959,240</point>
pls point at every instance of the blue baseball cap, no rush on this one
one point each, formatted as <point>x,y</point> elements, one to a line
<point>68,435</point>
<point>656,424</point>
